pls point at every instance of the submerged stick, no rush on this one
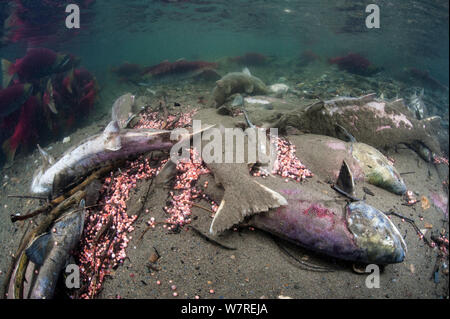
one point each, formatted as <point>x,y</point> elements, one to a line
<point>27,196</point>
<point>95,175</point>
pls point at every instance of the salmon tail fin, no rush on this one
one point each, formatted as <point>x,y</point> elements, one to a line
<point>235,205</point>
<point>7,73</point>
<point>10,153</point>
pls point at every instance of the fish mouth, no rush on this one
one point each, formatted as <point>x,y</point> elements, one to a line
<point>377,238</point>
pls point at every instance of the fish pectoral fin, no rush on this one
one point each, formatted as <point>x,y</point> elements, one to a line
<point>111,136</point>
<point>345,179</point>
<point>47,159</point>
<point>236,205</point>
<point>37,251</point>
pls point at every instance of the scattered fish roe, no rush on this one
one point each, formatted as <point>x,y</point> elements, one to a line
<point>440,160</point>
<point>104,241</point>
<point>287,164</point>
<point>105,236</point>
<point>185,191</point>
<point>152,120</point>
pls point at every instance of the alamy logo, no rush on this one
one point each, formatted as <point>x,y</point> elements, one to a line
<point>73,276</point>
<point>73,19</point>
<point>227,145</point>
<point>373,19</point>
<point>373,279</point>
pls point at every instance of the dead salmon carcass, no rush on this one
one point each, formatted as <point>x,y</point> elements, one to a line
<point>309,217</point>
<point>378,123</point>
<point>47,255</point>
<point>366,162</point>
<point>114,144</point>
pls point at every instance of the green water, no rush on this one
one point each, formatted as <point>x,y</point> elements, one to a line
<point>412,35</point>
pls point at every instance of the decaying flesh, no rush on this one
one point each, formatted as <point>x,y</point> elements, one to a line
<point>378,123</point>
<point>236,82</point>
<point>312,218</point>
<point>366,162</point>
<point>112,145</point>
<point>305,213</point>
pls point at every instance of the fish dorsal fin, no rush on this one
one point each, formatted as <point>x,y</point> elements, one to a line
<point>38,250</point>
<point>246,71</point>
<point>47,159</point>
<point>345,179</point>
<point>111,137</point>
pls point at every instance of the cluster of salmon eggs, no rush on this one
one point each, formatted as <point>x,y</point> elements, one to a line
<point>185,190</point>
<point>287,164</point>
<point>106,232</point>
<point>153,120</point>
<point>105,236</point>
<point>440,160</point>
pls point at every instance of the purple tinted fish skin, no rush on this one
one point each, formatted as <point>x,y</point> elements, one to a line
<point>313,226</point>
<point>334,228</point>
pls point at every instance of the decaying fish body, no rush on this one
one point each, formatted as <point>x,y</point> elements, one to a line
<point>355,231</point>
<point>236,82</point>
<point>366,162</point>
<point>313,219</point>
<point>48,254</point>
<point>112,145</point>
<point>378,123</point>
